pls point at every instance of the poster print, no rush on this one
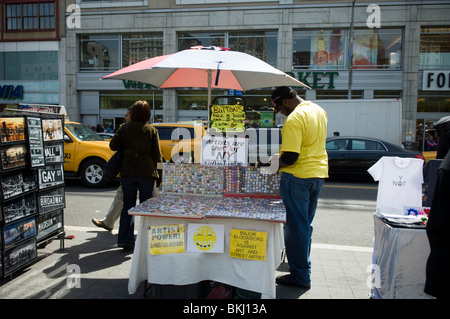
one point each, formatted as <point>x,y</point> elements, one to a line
<point>51,176</point>
<point>48,224</point>
<point>36,141</point>
<point>52,130</point>
<point>51,200</point>
<point>205,238</point>
<point>18,208</point>
<point>19,231</point>
<point>12,129</point>
<point>18,183</point>
<point>19,256</point>
<point>54,153</point>
<point>14,156</point>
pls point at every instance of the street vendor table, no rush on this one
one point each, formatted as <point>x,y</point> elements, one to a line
<point>188,268</point>
<point>400,257</point>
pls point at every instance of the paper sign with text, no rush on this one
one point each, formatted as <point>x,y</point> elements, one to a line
<point>220,151</point>
<point>205,238</point>
<point>248,244</point>
<point>166,239</point>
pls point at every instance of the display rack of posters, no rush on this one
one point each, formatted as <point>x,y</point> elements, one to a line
<point>31,186</point>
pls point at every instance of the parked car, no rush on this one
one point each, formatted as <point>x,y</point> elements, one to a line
<point>350,157</point>
<point>85,154</point>
<point>106,136</point>
<point>179,141</point>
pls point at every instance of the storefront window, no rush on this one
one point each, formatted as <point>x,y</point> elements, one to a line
<point>377,49</point>
<point>123,100</point>
<point>30,66</point>
<point>99,52</point>
<point>139,47</point>
<point>438,102</point>
<point>260,44</point>
<point>319,49</point>
<point>434,48</point>
<point>187,40</point>
<point>338,94</point>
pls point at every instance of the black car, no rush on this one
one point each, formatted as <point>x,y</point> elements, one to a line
<point>350,157</point>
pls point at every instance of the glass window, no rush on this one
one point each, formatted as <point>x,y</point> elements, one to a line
<point>187,40</point>
<point>260,44</point>
<point>434,48</point>
<point>124,99</point>
<point>433,102</point>
<point>139,47</point>
<point>377,49</point>
<point>30,16</point>
<point>14,17</point>
<point>41,65</point>
<point>319,49</point>
<point>337,145</point>
<point>99,52</point>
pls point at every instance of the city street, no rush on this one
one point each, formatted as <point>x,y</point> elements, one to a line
<point>343,217</point>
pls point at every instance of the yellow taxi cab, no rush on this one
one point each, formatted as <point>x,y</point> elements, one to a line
<point>179,142</point>
<point>428,155</point>
<point>85,154</point>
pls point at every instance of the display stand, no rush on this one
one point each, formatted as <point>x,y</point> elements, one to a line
<point>239,207</point>
<point>32,187</point>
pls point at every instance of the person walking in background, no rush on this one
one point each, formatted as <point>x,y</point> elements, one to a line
<point>303,164</point>
<point>139,168</point>
<point>116,207</point>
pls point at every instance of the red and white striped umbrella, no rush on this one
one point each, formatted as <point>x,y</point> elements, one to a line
<point>206,67</point>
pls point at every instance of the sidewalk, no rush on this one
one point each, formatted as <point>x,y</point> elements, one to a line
<point>338,272</point>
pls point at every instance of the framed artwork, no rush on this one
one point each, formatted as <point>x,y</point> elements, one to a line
<point>52,129</point>
<point>20,207</point>
<point>14,156</point>
<point>19,231</point>
<point>54,153</point>
<point>12,129</point>
<point>18,183</point>
<point>50,176</point>
<point>49,223</point>
<point>51,200</point>
<point>35,141</point>
<point>19,255</point>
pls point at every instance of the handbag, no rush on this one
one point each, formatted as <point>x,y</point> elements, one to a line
<point>113,166</point>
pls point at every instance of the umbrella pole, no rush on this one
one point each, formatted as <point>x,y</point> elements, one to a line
<point>209,95</point>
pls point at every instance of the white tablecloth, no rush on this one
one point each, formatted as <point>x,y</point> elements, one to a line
<point>188,268</point>
<point>400,256</point>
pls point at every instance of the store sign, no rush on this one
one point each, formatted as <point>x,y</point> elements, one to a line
<point>316,80</point>
<point>436,80</point>
<point>11,92</point>
<point>135,85</point>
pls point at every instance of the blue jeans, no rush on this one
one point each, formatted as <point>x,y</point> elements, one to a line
<point>300,196</point>
<point>130,187</point>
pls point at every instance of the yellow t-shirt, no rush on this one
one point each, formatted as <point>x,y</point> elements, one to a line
<point>305,132</point>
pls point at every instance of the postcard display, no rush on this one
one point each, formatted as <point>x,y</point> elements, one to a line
<point>32,187</point>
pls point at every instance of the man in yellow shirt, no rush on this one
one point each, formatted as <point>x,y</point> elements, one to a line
<point>303,166</point>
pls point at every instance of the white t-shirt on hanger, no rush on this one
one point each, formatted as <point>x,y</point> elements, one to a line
<point>400,183</point>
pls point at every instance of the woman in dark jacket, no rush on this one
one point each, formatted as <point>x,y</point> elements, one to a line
<point>139,168</point>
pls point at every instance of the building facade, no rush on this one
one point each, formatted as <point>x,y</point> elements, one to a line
<point>342,49</point>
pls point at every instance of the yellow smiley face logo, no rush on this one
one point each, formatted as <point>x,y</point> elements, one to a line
<point>205,238</point>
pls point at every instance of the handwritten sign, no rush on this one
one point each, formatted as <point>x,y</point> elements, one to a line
<point>222,151</point>
<point>248,244</point>
<point>228,117</point>
<point>166,239</point>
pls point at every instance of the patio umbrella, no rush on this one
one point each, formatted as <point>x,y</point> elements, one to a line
<point>206,67</point>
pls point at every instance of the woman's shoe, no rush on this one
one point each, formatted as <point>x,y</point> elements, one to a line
<point>101,224</point>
